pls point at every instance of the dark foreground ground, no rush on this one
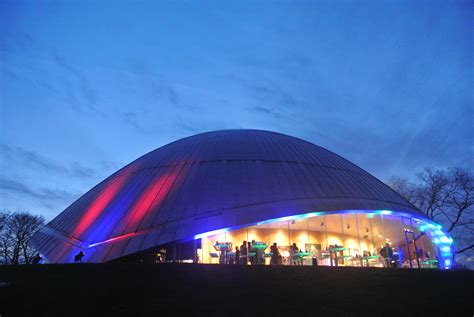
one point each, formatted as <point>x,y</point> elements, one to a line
<point>163,290</point>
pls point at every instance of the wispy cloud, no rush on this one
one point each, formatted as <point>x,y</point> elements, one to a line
<point>44,194</point>
<point>78,170</point>
<point>265,110</point>
<point>269,92</point>
<point>87,94</point>
<point>31,159</point>
<point>173,96</point>
<point>14,156</point>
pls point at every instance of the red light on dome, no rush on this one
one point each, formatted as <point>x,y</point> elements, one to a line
<point>152,197</point>
<point>100,203</point>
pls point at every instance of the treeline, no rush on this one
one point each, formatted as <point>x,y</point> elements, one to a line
<point>16,230</point>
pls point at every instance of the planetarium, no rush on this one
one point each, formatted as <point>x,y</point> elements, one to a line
<point>245,197</point>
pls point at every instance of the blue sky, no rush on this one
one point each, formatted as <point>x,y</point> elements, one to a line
<point>87,87</point>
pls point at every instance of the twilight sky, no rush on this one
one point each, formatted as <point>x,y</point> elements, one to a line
<point>86,87</point>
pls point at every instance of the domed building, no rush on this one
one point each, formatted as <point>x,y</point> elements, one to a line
<point>249,197</point>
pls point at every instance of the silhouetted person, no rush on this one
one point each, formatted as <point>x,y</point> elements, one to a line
<point>37,259</point>
<point>223,256</point>
<point>294,248</point>
<point>275,259</point>
<point>243,253</point>
<point>79,256</point>
<point>387,252</point>
<point>249,248</point>
<point>237,255</point>
<point>293,251</point>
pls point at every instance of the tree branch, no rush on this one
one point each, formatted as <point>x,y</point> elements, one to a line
<point>465,249</point>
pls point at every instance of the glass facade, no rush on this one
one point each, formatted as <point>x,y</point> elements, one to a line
<point>360,239</point>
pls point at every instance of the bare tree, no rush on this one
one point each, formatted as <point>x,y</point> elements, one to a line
<point>16,230</point>
<point>5,237</point>
<point>404,188</point>
<point>459,210</point>
<point>446,197</point>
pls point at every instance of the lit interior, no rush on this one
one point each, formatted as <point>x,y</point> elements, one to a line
<point>374,239</point>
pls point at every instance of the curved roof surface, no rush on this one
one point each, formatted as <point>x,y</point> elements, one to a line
<point>206,182</point>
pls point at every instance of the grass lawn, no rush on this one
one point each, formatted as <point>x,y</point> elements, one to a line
<point>120,289</point>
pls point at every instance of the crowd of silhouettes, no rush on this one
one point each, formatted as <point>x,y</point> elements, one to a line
<point>249,252</point>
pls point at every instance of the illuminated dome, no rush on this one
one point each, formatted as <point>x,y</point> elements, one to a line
<point>214,182</point>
